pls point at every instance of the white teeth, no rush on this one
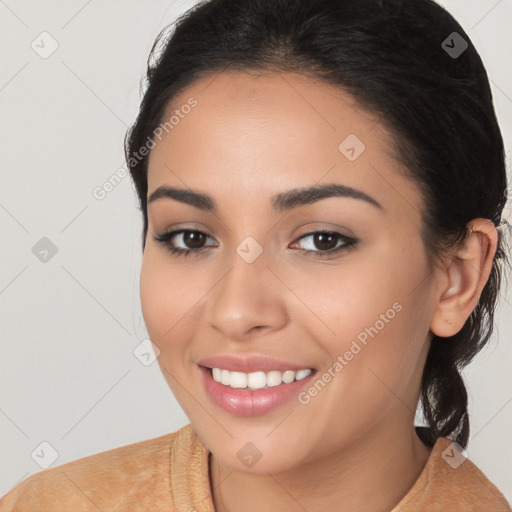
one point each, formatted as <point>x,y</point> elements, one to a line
<point>274,378</point>
<point>302,373</point>
<point>237,379</point>
<point>288,376</point>
<point>225,377</point>
<point>217,374</point>
<point>257,380</point>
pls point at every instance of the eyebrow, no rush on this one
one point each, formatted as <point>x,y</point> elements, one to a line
<point>284,201</point>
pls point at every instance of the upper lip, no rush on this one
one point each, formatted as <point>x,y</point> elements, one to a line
<point>248,364</point>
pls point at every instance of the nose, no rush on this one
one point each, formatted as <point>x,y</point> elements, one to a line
<point>247,299</point>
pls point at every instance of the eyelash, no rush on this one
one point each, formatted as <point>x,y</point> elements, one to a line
<point>165,238</point>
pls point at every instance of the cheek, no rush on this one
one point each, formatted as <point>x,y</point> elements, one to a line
<point>372,291</point>
<point>170,301</point>
<point>376,313</point>
<point>382,343</point>
<point>159,292</point>
<point>151,293</point>
<point>347,296</point>
<point>164,317</point>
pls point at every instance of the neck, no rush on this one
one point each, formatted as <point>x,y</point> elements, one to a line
<point>372,475</point>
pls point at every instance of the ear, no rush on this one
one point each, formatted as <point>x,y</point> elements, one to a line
<point>461,281</point>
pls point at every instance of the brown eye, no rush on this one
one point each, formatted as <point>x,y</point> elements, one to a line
<point>193,239</point>
<point>326,242</point>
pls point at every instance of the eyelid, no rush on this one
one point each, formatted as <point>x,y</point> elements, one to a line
<point>315,227</point>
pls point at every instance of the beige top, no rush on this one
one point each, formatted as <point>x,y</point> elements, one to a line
<point>170,473</point>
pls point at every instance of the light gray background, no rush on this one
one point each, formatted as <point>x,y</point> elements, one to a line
<point>69,326</point>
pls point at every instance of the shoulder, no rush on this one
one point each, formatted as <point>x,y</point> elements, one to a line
<point>101,480</point>
<point>450,481</point>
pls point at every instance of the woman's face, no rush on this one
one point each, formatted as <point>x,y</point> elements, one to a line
<point>358,317</point>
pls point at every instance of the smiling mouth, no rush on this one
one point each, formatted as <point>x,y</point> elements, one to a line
<point>267,383</point>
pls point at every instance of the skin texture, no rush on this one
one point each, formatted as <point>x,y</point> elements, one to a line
<point>248,138</point>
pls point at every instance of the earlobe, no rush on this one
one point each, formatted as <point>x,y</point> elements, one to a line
<point>463,278</point>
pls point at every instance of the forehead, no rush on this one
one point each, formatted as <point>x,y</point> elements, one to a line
<point>272,132</point>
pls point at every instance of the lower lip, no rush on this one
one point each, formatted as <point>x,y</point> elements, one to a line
<point>245,402</point>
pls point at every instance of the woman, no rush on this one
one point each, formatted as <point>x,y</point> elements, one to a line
<point>321,184</point>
